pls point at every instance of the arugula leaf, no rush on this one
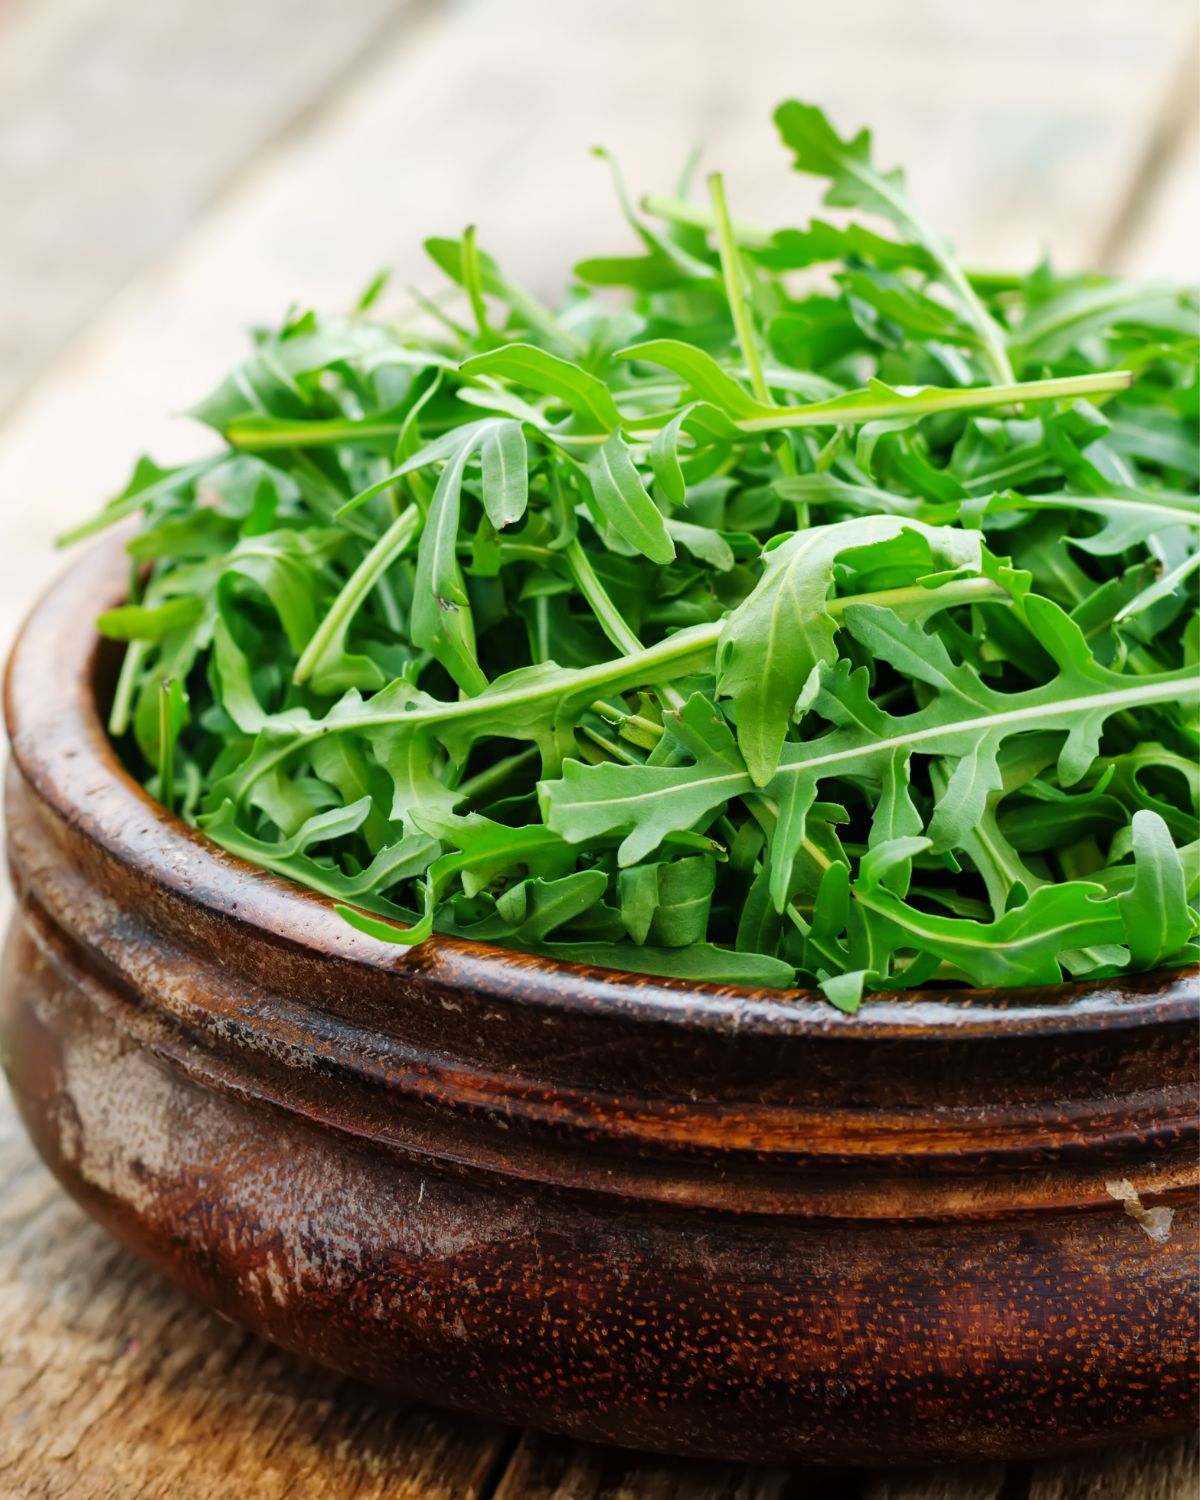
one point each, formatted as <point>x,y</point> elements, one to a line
<point>645,803</point>
<point>622,501</point>
<point>701,963</point>
<point>448,255</point>
<point>700,372</point>
<point>1158,920</point>
<point>148,486</point>
<point>504,458</point>
<point>856,183</point>
<point>1022,947</point>
<point>775,638</point>
<point>1057,324</point>
<point>667,904</point>
<point>140,622</point>
<point>441,611</point>
<point>391,866</point>
<point>1126,518</point>
<point>965,721</point>
<point>588,398</point>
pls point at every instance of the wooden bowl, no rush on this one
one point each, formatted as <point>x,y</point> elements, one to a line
<point>697,1219</point>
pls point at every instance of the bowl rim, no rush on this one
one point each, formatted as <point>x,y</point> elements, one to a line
<point>60,746</point>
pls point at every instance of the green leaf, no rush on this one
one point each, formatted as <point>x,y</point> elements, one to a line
<point>702,963</point>
<point>447,254</point>
<point>820,242</point>
<point>844,991</point>
<point>386,931</point>
<point>664,459</point>
<point>644,803</point>
<point>392,865</point>
<point>505,461</point>
<point>773,640</point>
<point>489,850</point>
<point>793,805</point>
<point>1158,919</point>
<point>622,501</point>
<point>148,485</point>
<point>1126,519</point>
<point>700,372</point>
<point>1054,326</point>
<point>535,908</point>
<point>896,821</point>
<point>1024,946</point>
<point>667,904</point>
<point>708,546</point>
<point>963,721</point>
<point>466,438</point>
<point>140,622</point>
<point>325,658</point>
<point>441,611</point>
<point>760,927</point>
<point>855,182</point>
<point>916,314</point>
<point>588,398</point>
<point>284,566</point>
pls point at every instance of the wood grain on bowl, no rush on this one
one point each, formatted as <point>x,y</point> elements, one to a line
<point>697,1219</point>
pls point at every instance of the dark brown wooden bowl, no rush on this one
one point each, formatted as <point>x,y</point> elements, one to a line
<point>697,1219</point>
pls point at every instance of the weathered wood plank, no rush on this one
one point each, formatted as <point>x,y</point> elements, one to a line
<point>1137,1471</point>
<point>1156,229</point>
<point>543,1468</point>
<point>982,1482</point>
<point>121,120</point>
<point>546,1468</point>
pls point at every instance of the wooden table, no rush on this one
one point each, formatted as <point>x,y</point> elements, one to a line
<point>178,172</point>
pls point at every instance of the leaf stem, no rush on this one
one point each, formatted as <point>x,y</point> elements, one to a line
<point>1167,584</point>
<point>121,711</point>
<point>610,619</point>
<point>473,283</point>
<point>735,291</point>
<point>993,344</point>
<point>394,541</point>
<point>495,775</point>
<point>991,336</point>
<point>166,743</point>
<point>932,399</point>
<point>260,434</point>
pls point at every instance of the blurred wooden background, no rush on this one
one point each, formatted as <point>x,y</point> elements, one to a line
<point>173,170</point>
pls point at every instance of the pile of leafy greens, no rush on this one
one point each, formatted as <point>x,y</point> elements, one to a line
<point>788,607</point>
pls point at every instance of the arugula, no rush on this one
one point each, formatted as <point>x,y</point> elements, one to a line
<point>735,631</point>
